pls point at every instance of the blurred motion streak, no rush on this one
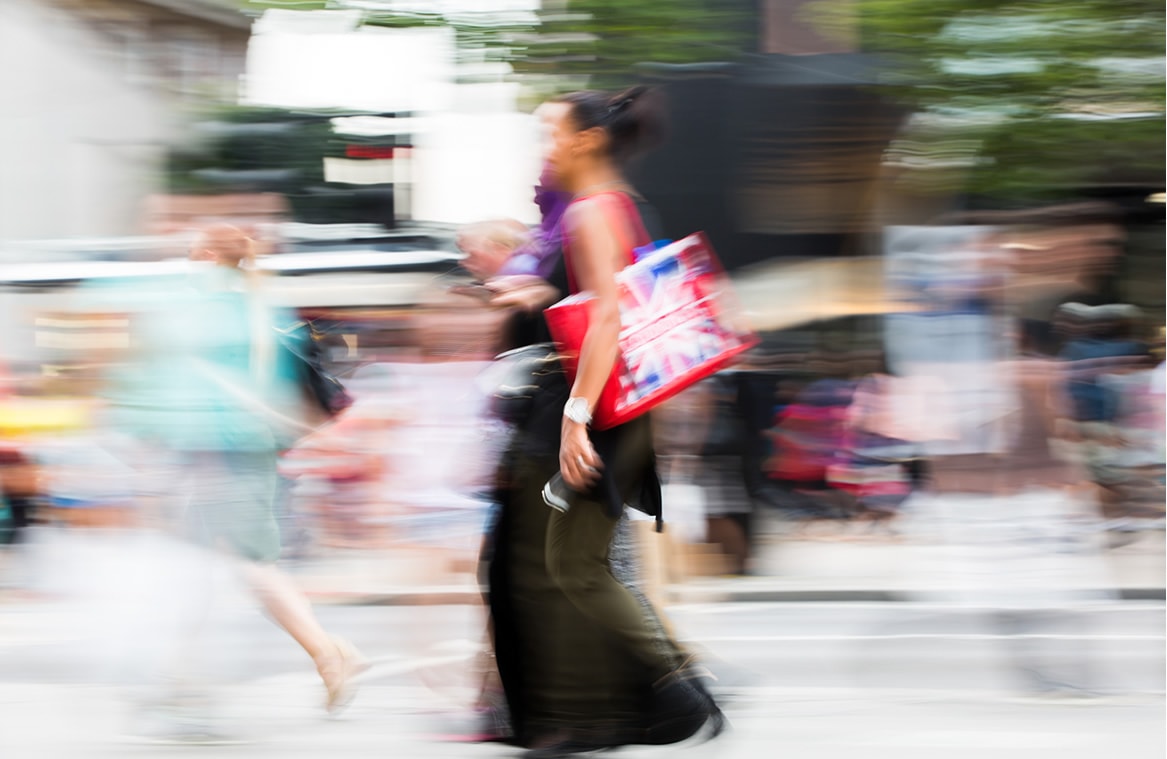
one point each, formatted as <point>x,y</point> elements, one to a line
<point>945,221</point>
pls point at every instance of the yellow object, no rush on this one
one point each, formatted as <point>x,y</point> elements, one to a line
<point>20,416</point>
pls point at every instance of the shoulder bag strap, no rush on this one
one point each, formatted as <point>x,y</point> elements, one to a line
<point>624,218</point>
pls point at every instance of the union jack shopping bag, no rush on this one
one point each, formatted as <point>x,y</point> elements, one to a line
<point>678,325</point>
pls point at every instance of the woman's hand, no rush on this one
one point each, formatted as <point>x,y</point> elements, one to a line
<point>578,461</point>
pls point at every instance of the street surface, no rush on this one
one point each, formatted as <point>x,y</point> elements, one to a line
<point>816,680</point>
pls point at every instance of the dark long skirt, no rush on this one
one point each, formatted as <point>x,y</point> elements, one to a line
<point>577,648</point>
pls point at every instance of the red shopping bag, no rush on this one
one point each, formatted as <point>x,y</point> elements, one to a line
<point>678,324</point>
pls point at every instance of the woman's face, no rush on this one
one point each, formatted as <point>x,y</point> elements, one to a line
<point>560,141</point>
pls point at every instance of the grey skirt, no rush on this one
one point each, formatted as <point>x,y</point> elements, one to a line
<point>225,500</point>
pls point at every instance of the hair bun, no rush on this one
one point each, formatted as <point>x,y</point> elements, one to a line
<point>633,118</point>
<point>616,106</point>
<point>622,100</point>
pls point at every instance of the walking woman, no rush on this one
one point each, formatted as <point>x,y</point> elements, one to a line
<point>205,395</point>
<point>585,663</point>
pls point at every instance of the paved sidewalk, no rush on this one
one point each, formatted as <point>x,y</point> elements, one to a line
<point>276,718</point>
<point>787,569</point>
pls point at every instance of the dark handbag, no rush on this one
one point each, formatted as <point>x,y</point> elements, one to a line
<point>7,522</point>
<point>520,376</point>
<point>301,347</point>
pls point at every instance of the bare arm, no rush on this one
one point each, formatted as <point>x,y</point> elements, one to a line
<point>597,255</point>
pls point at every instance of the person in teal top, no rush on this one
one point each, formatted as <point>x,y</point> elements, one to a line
<point>209,387</point>
<point>208,375</point>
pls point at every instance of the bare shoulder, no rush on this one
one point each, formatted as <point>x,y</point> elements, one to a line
<point>593,207</point>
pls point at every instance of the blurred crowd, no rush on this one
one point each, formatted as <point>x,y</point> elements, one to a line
<point>1001,404</point>
<point>994,370</point>
<point>304,385</point>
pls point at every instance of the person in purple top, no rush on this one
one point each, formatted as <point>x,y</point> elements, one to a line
<point>532,276</point>
<point>535,275</point>
<point>539,255</point>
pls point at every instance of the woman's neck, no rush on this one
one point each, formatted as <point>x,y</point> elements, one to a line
<point>595,178</point>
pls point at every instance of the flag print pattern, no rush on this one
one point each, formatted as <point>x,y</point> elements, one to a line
<point>673,328</point>
<point>669,320</point>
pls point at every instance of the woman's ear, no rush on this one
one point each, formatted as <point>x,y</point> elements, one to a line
<point>587,141</point>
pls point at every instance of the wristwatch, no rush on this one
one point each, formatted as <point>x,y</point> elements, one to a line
<point>576,409</point>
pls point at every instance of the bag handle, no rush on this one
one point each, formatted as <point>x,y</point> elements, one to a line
<point>250,400</point>
<point>630,223</point>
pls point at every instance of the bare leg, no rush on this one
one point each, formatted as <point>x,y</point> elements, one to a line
<point>336,660</point>
<point>288,607</point>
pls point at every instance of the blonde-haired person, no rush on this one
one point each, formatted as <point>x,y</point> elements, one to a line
<point>488,245</point>
<point>213,393</point>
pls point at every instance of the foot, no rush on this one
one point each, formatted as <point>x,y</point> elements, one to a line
<point>682,707</point>
<point>701,678</point>
<point>339,670</point>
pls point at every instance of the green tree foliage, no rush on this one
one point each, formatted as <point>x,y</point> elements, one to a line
<point>229,143</point>
<point>572,43</point>
<point>1018,99</point>
<point>1035,97</point>
<point>604,41</point>
<point>247,149</point>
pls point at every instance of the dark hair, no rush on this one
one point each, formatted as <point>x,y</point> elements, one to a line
<point>634,118</point>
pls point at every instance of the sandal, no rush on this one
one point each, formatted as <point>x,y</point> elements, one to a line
<point>339,672</point>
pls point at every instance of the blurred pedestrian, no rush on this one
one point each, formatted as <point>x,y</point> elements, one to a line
<point>1134,487</point>
<point>1100,350</point>
<point>541,253</point>
<point>517,269</point>
<point>488,245</point>
<point>532,279</point>
<point>533,274</point>
<point>19,492</point>
<point>721,472</point>
<point>518,251</point>
<point>213,394</point>
<point>1022,541</point>
<point>585,663</point>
